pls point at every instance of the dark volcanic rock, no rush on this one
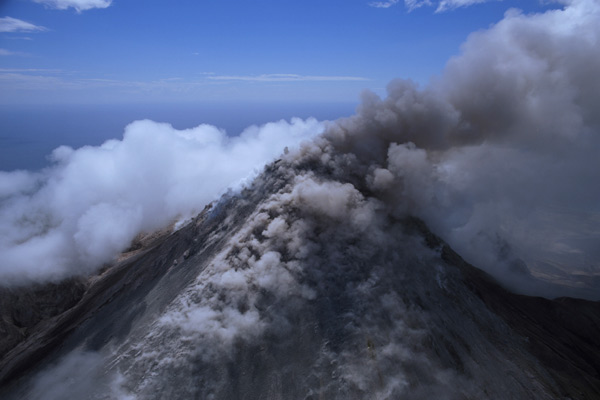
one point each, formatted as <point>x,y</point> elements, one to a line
<point>23,308</point>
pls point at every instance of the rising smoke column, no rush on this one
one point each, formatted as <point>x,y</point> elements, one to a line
<point>499,154</point>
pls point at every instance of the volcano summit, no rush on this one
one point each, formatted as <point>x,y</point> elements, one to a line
<point>305,286</point>
<point>441,243</point>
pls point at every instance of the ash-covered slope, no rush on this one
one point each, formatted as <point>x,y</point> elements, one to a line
<point>306,285</point>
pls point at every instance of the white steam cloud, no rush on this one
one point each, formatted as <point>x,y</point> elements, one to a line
<point>88,206</point>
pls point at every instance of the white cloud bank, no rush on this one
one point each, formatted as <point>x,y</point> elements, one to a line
<point>9,24</point>
<point>78,5</point>
<point>87,207</point>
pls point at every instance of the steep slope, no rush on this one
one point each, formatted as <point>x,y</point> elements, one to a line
<point>306,285</point>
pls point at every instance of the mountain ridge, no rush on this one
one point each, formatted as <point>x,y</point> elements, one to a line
<point>366,316</point>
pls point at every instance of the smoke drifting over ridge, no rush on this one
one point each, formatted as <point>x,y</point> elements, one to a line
<point>497,152</point>
<point>82,211</point>
<point>498,155</point>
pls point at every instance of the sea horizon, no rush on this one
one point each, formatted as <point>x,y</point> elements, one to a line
<point>29,132</point>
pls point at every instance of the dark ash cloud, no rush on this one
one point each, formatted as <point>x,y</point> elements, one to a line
<point>508,132</point>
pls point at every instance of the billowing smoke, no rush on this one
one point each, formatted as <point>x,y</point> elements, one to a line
<point>80,212</point>
<point>499,155</point>
<point>315,284</point>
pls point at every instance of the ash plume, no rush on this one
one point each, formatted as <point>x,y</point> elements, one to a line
<point>502,143</point>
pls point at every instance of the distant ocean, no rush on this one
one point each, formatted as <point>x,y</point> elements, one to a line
<point>29,133</point>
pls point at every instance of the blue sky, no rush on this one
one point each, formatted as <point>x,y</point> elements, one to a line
<point>98,51</point>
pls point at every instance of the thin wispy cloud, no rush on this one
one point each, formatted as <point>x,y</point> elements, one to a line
<point>414,4</point>
<point>10,24</point>
<point>383,4</point>
<point>36,82</point>
<point>446,5</point>
<point>78,5</point>
<point>29,70</point>
<point>37,74</point>
<point>286,78</point>
<point>443,5</point>
<point>4,52</point>
<point>44,80</point>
